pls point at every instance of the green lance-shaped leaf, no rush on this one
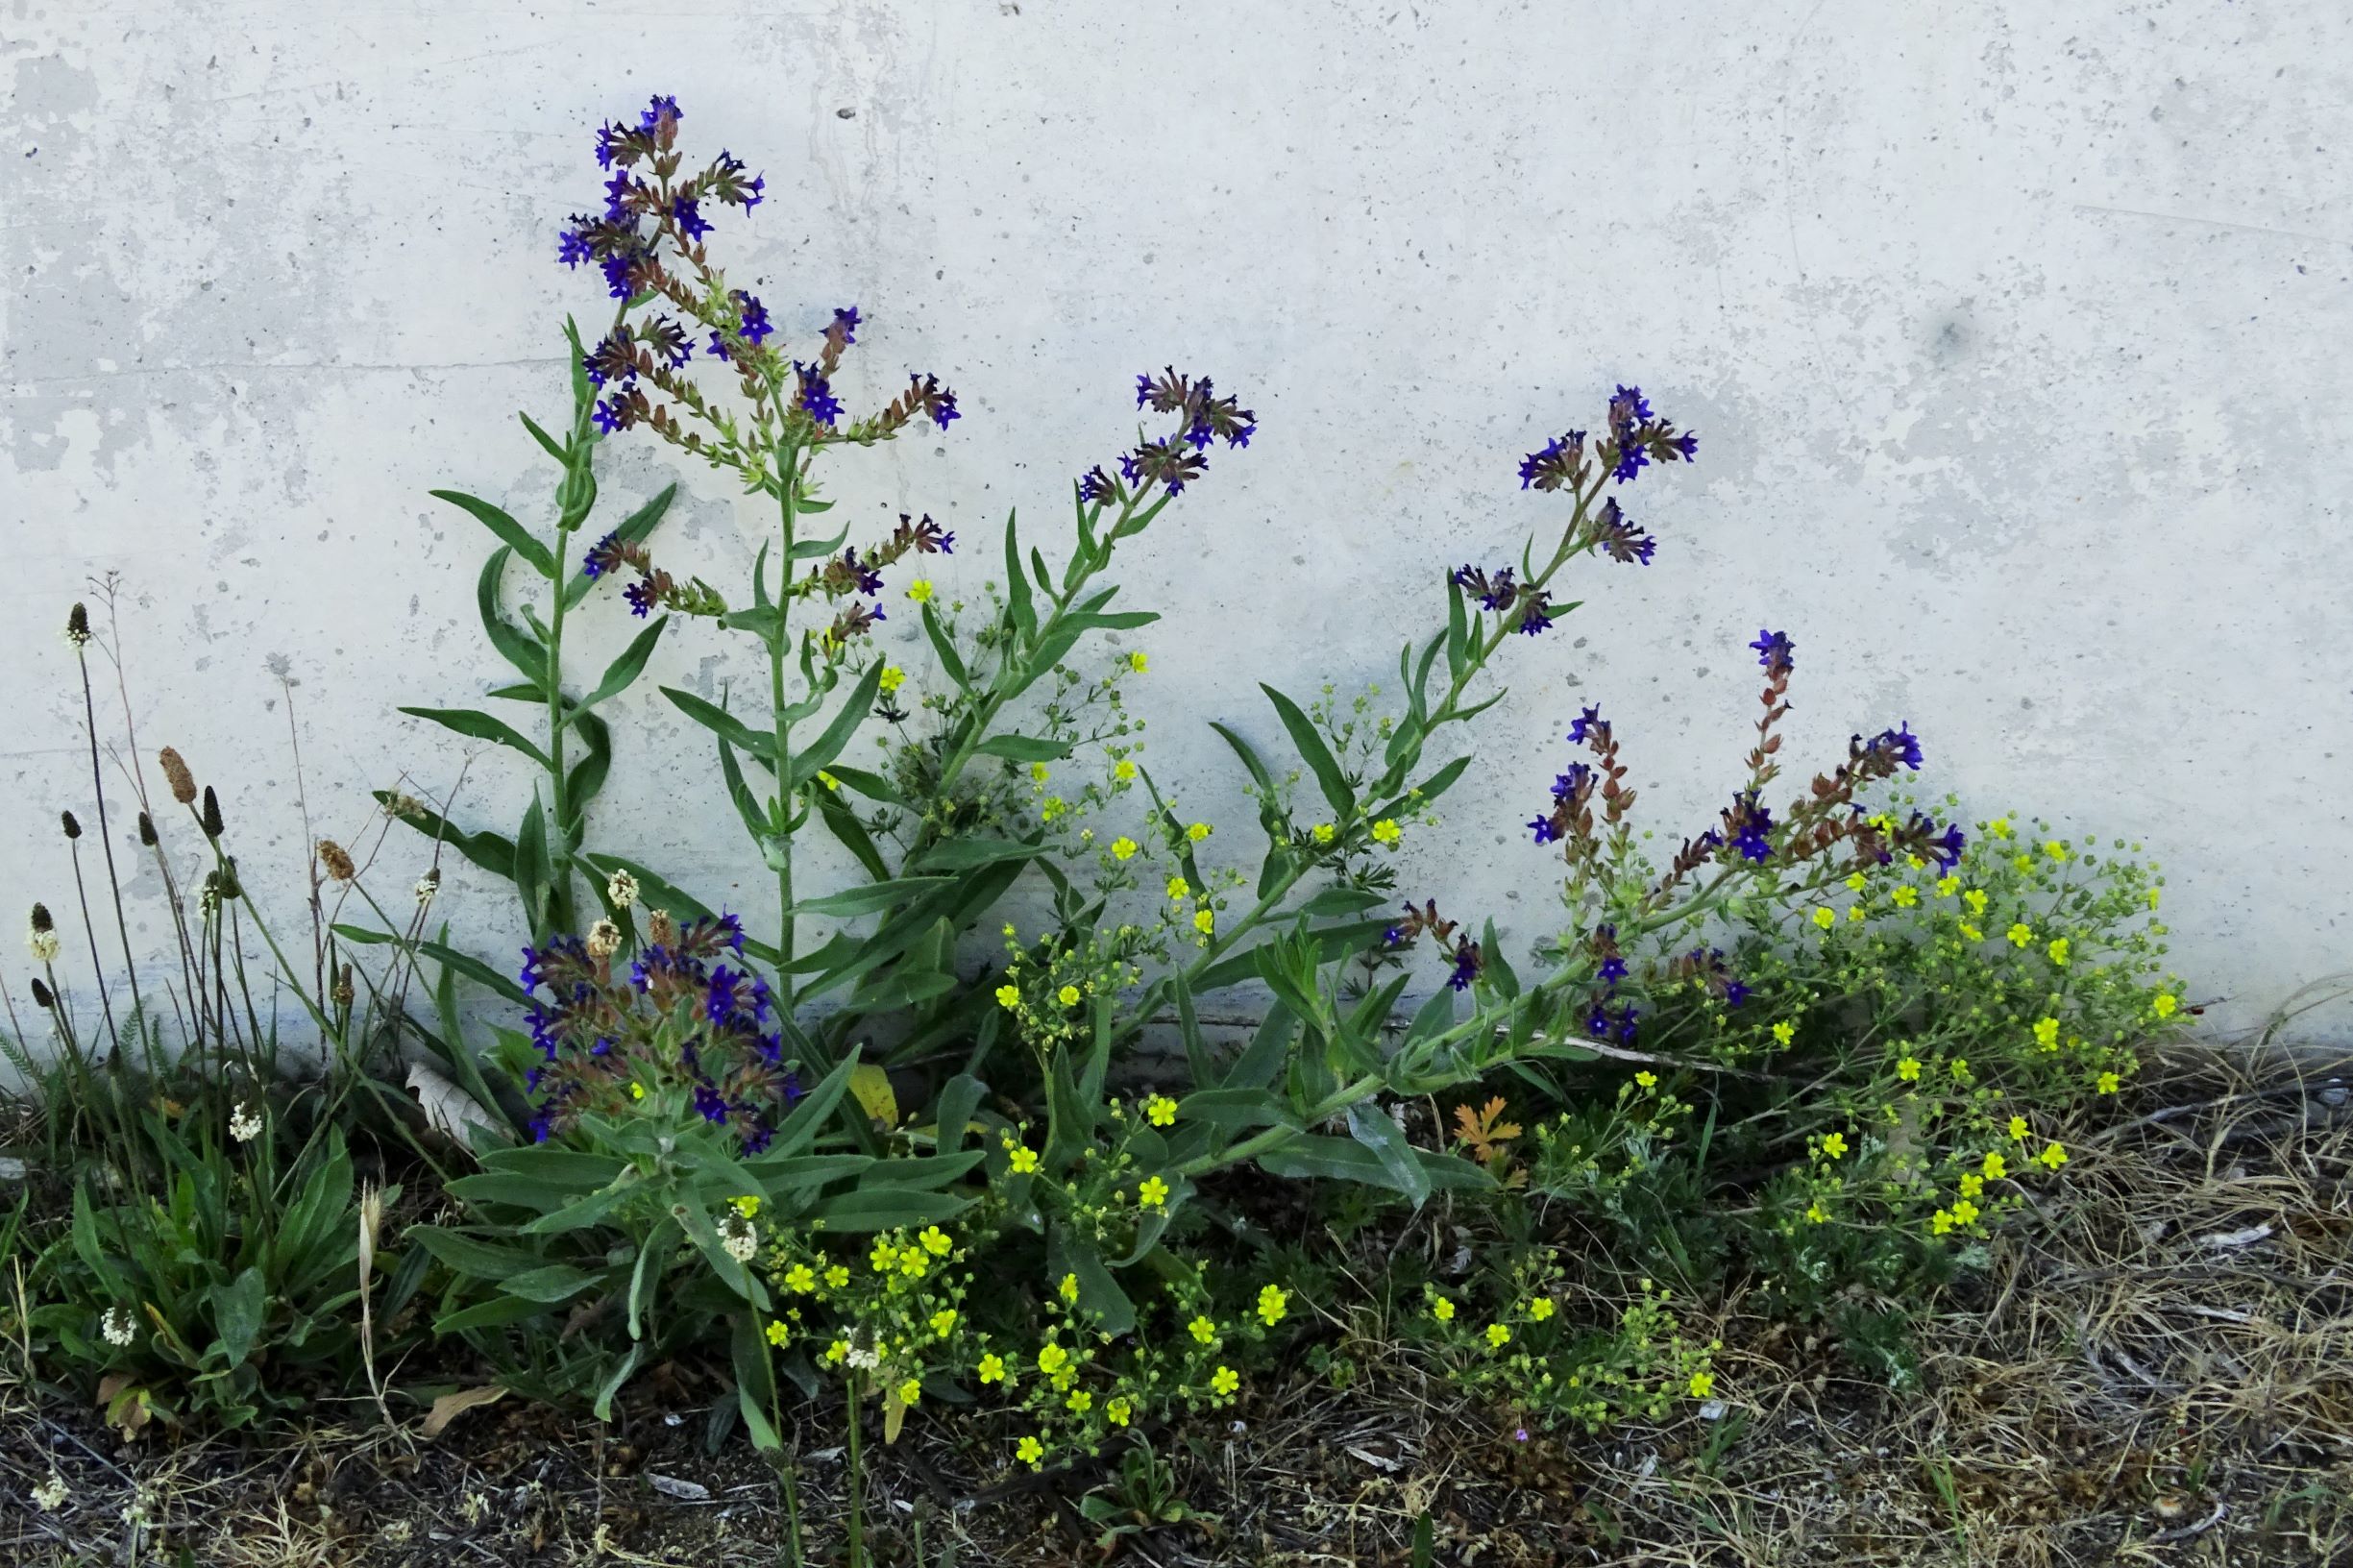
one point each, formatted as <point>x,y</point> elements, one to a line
<point>625,669</point>
<point>1313,752</point>
<point>725,724</point>
<point>491,851</point>
<point>810,761</point>
<point>475,724</point>
<point>510,533</point>
<point>517,647</point>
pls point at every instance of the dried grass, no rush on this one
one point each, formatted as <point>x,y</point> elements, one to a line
<point>2158,1368</point>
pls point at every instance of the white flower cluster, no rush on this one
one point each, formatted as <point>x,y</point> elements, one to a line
<point>245,1124</point>
<point>118,1327</point>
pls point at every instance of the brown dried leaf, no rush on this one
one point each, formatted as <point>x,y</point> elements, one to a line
<point>450,1407</point>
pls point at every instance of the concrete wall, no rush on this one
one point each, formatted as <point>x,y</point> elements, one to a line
<point>2016,335</point>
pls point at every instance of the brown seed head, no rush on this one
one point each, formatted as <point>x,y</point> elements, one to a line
<point>78,626</point>
<point>337,863</point>
<point>41,923</point>
<point>215,827</point>
<point>42,996</point>
<point>660,929</point>
<point>73,829</point>
<point>147,830</point>
<point>176,773</point>
<point>230,886</point>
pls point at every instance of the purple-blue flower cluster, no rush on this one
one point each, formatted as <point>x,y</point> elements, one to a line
<point>1637,438</point>
<point>1179,458</point>
<point>604,1036</point>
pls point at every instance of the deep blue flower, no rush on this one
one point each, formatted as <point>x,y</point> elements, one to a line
<point>662,105</point>
<point>1143,390</point>
<point>817,399</point>
<point>729,928</point>
<point>1095,485</point>
<point>1618,539</point>
<point>1774,652</point>
<point>1566,786</point>
<point>721,1002</point>
<point>1128,469</point>
<point>938,402</point>
<point>610,415</point>
<point>572,248</point>
<point>719,349</point>
<point>541,1128</point>
<point>1589,723</point>
<point>709,1102</point>
<point>1542,828</point>
<point>1734,992</point>
<point>757,1138</point>
<point>847,320</point>
<point>1633,458</point>
<point>1947,848</point>
<point>1751,822</point>
<point>1556,464</point>
<point>792,1087</point>
<point>756,326</point>
<point>1612,970</point>
<point>1899,744</point>
<point>1688,444</point>
<point>616,192</point>
<point>1533,618</point>
<point>1466,967</point>
<point>1636,406</point>
<point>640,599</point>
<point>1597,1021</point>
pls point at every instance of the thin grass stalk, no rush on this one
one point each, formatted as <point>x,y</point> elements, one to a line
<point>106,841</point>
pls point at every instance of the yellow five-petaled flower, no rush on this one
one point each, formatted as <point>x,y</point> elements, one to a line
<point>1153,1192</point>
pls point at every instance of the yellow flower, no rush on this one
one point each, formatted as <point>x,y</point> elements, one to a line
<point>1068,1288</point>
<point>1386,832</point>
<point>837,1276</point>
<point>936,1243</point>
<point>1080,1401</point>
<point>2152,898</point>
<point>1204,920</point>
<point>1855,912</point>
<point>1324,832</point>
<point>1498,1336</point>
<point>1119,1409</point>
<point>993,1369</point>
<point>1972,932</point>
<point>2055,849</point>
<point>910,1390</point>
<point>1025,1160</point>
<point>801,1278</point>
<point>1030,1452</point>
<point>1940,1222</point>
<point>1784,1033</point>
<point>2164,1004</point>
<point>1959,1069</point>
<point>1948,886</point>
<point>1905,896</point>
<point>1824,917</point>
<point>1648,1080</point>
<point>1442,1310</point>
<point>1067,996</point>
<point>1908,1069</point>
<point>2058,952</point>
<point>919,590</point>
<point>1203,1331</point>
<point>1160,1111</point>
<point>747,1206</point>
<point>1975,900</point>
<point>1052,1359</point>
<point>2018,1129</point>
<point>1964,1211</point>
<point>893,677</point>
<point>884,1258</point>
<point>1703,1384</point>
<point>1541,1309</point>
<point>1040,772</point>
<point>1225,1379</point>
<point>1123,846</point>
<point>1996,1167</point>
<point>1124,770</point>
<point>777,1332</point>
<point>1053,808</point>
<point>1136,661</point>
<point>2047,1034</point>
<point>1009,996</point>
<point>2019,934</point>
<point>1855,881</point>
<point>1199,831</point>
<point>2052,1157</point>
<point>1273,1302</point>
<point>2110,1083</point>
<point>1178,889</point>
<point>837,1353</point>
<point>1834,1144</point>
<point>942,1322</point>
<point>637,1092</point>
<point>1971,1183</point>
<point>1816,1214</point>
<point>1153,1192</point>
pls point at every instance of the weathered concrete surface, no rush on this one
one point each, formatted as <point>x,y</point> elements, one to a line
<point>2017,338</point>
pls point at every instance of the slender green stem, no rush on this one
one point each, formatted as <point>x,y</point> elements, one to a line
<point>856,1522</point>
<point>779,649</point>
<point>559,912</point>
